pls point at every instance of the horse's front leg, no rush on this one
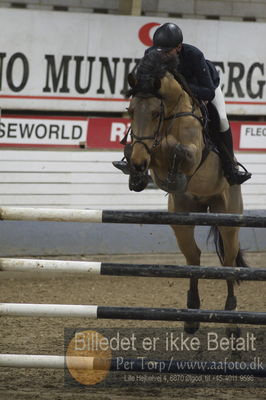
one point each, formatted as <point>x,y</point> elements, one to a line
<point>187,158</point>
<point>186,242</point>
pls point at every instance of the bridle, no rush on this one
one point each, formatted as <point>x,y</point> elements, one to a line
<point>157,136</point>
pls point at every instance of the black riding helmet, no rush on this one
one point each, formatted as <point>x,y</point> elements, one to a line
<point>167,36</point>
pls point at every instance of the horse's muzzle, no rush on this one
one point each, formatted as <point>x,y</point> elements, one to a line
<point>138,181</point>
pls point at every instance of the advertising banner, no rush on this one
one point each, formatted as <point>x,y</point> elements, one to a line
<point>80,62</point>
<point>43,132</point>
<point>100,133</point>
<point>249,135</point>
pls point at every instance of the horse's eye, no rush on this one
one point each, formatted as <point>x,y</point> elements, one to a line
<point>155,114</point>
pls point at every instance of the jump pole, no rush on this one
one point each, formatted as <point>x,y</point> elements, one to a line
<point>136,270</point>
<point>130,217</point>
<point>131,313</point>
<point>120,364</point>
<point>31,361</point>
<point>53,362</point>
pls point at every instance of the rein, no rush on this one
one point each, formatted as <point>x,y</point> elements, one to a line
<point>187,114</point>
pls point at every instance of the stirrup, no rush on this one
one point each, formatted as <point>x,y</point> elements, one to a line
<point>242,166</point>
<point>236,177</point>
<point>122,165</point>
<point>243,176</point>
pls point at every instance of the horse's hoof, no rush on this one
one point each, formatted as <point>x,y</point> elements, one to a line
<point>234,332</point>
<point>191,327</point>
<point>138,181</point>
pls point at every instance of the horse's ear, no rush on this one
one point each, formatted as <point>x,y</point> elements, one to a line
<point>132,80</point>
<point>157,83</point>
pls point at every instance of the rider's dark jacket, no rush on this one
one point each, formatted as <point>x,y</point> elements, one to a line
<point>200,74</point>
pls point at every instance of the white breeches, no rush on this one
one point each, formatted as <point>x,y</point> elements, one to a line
<point>219,104</point>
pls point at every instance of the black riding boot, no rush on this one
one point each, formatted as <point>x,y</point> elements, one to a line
<point>122,165</point>
<point>229,164</point>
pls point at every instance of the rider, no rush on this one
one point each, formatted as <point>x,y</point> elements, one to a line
<point>204,82</point>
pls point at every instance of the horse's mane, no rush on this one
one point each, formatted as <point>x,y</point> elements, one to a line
<point>155,64</point>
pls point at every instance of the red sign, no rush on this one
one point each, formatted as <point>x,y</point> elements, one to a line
<point>106,132</point>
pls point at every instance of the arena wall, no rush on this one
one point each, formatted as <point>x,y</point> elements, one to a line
<point>219,9</point>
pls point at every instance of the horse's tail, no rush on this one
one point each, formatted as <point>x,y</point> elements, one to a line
<point>219,247</point>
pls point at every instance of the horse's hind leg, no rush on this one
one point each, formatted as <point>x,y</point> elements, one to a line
<point>230,240</point>
<point>186,242</point>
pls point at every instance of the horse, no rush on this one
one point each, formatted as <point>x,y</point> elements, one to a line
<point>167,139</point>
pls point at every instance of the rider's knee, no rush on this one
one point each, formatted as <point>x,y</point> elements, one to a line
<point>224,124</point>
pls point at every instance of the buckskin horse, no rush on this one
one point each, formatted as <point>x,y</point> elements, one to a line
<point>167,139</point>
